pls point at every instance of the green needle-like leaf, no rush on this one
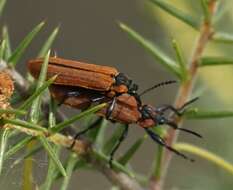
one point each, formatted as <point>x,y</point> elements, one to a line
<point>17,146</point>
<point>4,137</point>
<point>222,37</point>
<point>24,124</point>
<point>48,43</point>
<point>163,59</point>
<point>157,164</point>
<point>80,163</point>
<point>5,36</point>
<point>2,49</point>
<point>18,53</point>
<point>52,155</point>
<point>205,8</point>
<point>131,151</point>
<point>37,93</point>
<point>215,61</point>
<point>158,160</point>
<point>69,170</point>
<point>12,111</point>
<point>196,113</point>
<point>2,5</point>
<point>35,108</point>
<point>73,119</point>
<point>99,141</point>
<point>179,14</point>
<point>180,60</point>
<point>34,116</point>
<point>52,169</point>
<point>209,156</point>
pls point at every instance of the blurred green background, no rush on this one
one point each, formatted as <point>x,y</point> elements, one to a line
<point>89,32</point>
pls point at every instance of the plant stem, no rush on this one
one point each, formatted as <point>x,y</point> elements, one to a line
<point>185,90</point>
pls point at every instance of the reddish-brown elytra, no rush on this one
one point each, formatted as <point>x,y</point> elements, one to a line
<point>90,76</point>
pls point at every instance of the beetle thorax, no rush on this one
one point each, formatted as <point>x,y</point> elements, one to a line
<point>122,79</point>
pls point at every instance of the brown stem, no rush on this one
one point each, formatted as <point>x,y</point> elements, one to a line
<point>121,180</point>
<point>185,90</point>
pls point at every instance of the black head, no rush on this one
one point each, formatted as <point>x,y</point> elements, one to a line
<point>159,118</point>
<point>149,112</point>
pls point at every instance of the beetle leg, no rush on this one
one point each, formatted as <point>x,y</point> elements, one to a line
<point>164,108</point>
<point>178,111</point>
<point>93,125</point>
<point>121,138</point>
<point>69,94</point>
<point>161,120</point>
<point>161,142</point>
<point>111,107</point>
<point>174,126</point>
<point>94,98</point>
<point>97,99</point>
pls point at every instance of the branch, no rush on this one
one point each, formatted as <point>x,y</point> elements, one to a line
<point>120,179</point>
<point>185,90</point>
<point>83,149</point>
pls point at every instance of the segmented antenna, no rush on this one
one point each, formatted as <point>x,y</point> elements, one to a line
<point>189,102</point>
<point>157,85</point>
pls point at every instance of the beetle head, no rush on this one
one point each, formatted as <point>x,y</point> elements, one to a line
<point>148,112</point>
<point>151,117</point>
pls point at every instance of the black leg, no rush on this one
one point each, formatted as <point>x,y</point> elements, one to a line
<point>178,111</point>
<point>94,98</point>
<point>174,126</point>
<point>121,138</point>
<point>110,108</point>
<point>160,141</point>
<point>164,108</point>
<point>93,125</point>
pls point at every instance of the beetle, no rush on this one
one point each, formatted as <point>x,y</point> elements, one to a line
<point>105,79</point>
<point>126,111</point>
<point>81,84</point>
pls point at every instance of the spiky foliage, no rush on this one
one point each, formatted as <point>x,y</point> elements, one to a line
<point>44,134</point>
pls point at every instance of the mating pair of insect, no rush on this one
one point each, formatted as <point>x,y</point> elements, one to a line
<point>81,85</point>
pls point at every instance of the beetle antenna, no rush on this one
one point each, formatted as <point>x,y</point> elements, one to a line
<point>157,85</point>
<point>174,126</point>
<point>189,102</point>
